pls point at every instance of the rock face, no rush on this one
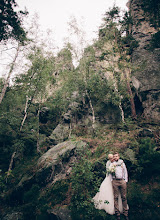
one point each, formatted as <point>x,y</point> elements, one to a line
<point>13,216</point>
<point>54,165</point>
<point>60,133</point>
<point>50,158</point>
<point>62,213</point>
<point>57,162</point>
<point>146,77</point>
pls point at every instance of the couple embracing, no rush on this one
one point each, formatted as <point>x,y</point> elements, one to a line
<point>112,193</point>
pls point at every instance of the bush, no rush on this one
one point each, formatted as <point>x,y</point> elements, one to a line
<point>85,184</point>
<point>2,182</point>
<point>142,206</point>
<point>155,41</point>
<point>32,194</point>
<point>148,159</point>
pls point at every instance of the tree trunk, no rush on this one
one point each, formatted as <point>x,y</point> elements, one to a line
<point>120,103</point>
<point>25,113</point>
<point>91,106</point>
<point>25,116</point>
<point>90,103</point>
<point>9,75</point>
<point>133,109</point>
<point>10,165</point>
<point>70,129</point>
<point>116,87</point>
<point>38,145</point>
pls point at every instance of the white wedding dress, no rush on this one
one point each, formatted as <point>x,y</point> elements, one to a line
<point>104,199</point>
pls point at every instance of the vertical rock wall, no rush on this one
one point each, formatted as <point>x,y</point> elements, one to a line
<point>146,62</point>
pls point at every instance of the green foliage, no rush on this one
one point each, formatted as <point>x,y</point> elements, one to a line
<point>32,194</point>
<point>130,155</point>
<point>30,200</point>
<point>155,41</point>
<point>148,159</point>
<point>142,205</point>
<point>112,16</point>
<point>100,90</point>
<point>2,182</point>
<point>33,84</point>
<point>84,185</point>
<point>11,21</point>
<point>130,43</point>
<point>65,55</point>
<point>153,9</point>
<point>81,130</point>
<point>53,195</point>
<point>29,211</point>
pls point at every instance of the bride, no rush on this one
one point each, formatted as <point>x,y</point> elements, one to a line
<point>104,199</point>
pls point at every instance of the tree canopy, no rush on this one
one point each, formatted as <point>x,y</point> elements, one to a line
<point>11,21</point>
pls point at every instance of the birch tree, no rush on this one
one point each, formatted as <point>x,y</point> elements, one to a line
<point>109,34</point>
<point>6,83</point>
<point>34,85</point>
<point>78,51</point>
<point>116,54</point>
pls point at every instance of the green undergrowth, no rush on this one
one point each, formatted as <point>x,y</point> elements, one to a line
<point>143,203</point>
<point>140,154</point>
<point>141,157</point>
<point>26,166</point>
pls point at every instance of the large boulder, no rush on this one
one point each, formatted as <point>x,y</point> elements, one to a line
<point>62,213</point>
<point>57,162</point>
<point>63,150</point>
<point>146,62</point>
<point>13,216</point>
<point>60,133</point>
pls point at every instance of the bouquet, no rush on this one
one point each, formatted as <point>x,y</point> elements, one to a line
<point>111,169</point>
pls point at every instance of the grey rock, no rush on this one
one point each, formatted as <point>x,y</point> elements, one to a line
<point>13,216</point>
<point>64,149</point>
<point>146,74</point>
<point>62,213</point>
<point>60,133</point>
<point>57,162</point>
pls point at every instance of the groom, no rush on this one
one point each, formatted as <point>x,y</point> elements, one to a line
<point>119,182</point>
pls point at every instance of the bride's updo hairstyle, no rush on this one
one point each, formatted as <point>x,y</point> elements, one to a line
<point>110,156</point>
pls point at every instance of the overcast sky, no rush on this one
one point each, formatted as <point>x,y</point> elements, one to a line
<point>54,14</point>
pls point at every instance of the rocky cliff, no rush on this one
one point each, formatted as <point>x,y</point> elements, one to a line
<point>146,76</point>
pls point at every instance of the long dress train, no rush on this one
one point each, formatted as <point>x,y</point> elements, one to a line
<point>104,199</point>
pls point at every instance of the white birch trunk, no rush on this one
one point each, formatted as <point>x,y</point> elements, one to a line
<point>10,165</point>
<point>116,88</point>
<point>25,113</point>
<point>93,113</point>
<point>120,103</point>
<point>9,76</point>
<point>90,103</point>
<point>38,145</point>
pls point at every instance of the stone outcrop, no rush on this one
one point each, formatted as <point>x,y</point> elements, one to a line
<point>62,213</point>
<point>54,165</point>
<point>13,216</point>
<point>146,62</point>
<point>60,133</point>
<point>57,162</point>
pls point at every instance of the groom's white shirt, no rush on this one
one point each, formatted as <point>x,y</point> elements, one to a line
<point>120,170</point>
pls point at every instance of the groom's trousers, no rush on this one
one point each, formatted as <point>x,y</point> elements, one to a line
<point>120,186</point>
